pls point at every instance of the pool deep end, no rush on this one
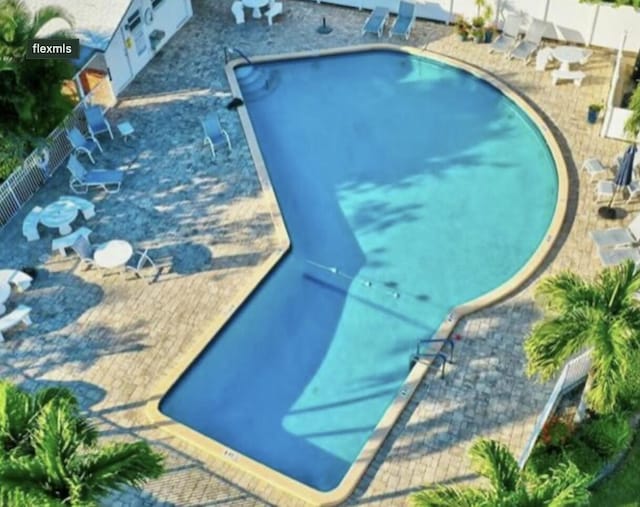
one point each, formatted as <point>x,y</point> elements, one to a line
<point>349,295</point>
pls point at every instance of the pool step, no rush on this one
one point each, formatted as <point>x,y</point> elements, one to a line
<point>253,82</point>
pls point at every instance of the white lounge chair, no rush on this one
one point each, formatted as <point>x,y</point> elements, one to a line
<point>594,168</point>
<point>613,256</point>
<point>138,262</point>
<point>214,134</point>
<point>376,21</point>
<point>404,21</point>
<point>63,242</point>
<point>17,316</point>
<point>21,281</point>
<point>525,48</point>
<point>606,189</point>
<point>509,36</point>
<point>81,144</point>
<point>30,224</point>
<point>274,9</point>
<point>96,122</point>
<point>617,236</point>
<point>81,179</point>
<point>87,208</point>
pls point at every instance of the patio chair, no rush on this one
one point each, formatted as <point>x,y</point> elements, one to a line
<point>543,57</point>
<point>404,21</point>
<point>17,316</point>
<point>81,144</point>
<point>21,281</point>
<point>618,236</point>
<point>525,48</point>
<point>214,134</point>
<point>376,21</point>
<point>81,179</point>
<point>237,9</point>
<point>84,250</point>
<point>594,168</point>
<point>509,36</point>
<point>30,224</point>
<point>606,189</point>
<point>63,242</point>
<point>274,9</point>
<point>138,262</point>
<point>613,256</point>
<point>96,122</point>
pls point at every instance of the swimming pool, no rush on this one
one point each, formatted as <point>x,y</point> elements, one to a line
<point>408,187</point>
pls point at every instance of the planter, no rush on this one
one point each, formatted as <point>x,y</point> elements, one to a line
<point>488,36</point>
<point>592,115</point>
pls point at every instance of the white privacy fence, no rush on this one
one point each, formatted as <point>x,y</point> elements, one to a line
<point>40,164</point>
<point>572,374</point>
<point>569,20</point>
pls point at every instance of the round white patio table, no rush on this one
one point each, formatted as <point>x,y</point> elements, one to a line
<point>113,254</point>
<point>5,292</point>
<point>59,214</point>
<point>255,5</point>
<point>567,55</point>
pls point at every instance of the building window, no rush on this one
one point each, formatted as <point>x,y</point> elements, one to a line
<point>156,3</point>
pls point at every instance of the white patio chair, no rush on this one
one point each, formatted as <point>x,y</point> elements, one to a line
<point>525,48</point>
<point>275,8</point>
<point>139,261</point>
<point>616,237</point>
<point>214,134</point>
<point>594,168</point>
<point>509,36</point>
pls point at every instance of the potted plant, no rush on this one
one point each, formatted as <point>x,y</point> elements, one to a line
<point>593,111</point>
<point>463,27</point>
<point>477,30</point>
<point>489,31</point>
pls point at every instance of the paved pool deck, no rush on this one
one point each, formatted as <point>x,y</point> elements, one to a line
<point>109,337</point>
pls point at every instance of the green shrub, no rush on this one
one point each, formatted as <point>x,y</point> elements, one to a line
<point>607,435</point>
<point>542,459</point>
<point>585,458</point>
<point>12,152</point>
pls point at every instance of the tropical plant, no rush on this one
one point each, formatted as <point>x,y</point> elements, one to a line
<point>49,453</point>
<point>31,99</point>
<point>607,434</point>
<point>632,125</point>
<point>563,486</point>
<point>602,315</point>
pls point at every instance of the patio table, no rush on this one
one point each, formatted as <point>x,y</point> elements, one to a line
<point>5,292</point>
<point>255,5</point>
<point>59,215</point>
<point>113,254</point>
<point>567,55</point>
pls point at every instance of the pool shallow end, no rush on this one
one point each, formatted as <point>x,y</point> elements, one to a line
<point>358,468</point>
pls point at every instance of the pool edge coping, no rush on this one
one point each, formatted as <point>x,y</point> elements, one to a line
<point>283,243</point>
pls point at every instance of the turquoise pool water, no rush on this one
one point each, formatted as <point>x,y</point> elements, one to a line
<point>407,187</point>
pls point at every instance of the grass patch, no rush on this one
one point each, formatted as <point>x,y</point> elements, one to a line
<point>622,489</point>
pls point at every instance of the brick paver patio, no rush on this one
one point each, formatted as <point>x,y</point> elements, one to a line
<point>110,337</point>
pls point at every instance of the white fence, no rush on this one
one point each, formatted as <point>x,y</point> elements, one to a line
<point>27,179</point>
<point>572,374</point>
<point>569,20</point>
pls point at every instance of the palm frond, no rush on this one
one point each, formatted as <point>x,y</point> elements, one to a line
<point>47,14</point>
<point>563,292</point>
<point>116,466</point>
<point>494,461</point>
<point>24,481</point>
<point>16,411</point>
<point>564,486</point>
<point>442,496</point>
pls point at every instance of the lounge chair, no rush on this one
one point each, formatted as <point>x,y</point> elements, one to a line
<point>594,168</point>
<point>509,36</point>
<point>30,224</point>
<point>618,236</point>
<point>404,21</point>
<point>96,122</point>
<point>606,189</point>
<point>81,179</point>
<point>376,21</point>
<point>21,281</point>
<point>17,316</point>
<point>525,48</point>
<point>613,256</point>
<point>214,134</point>
<point>81,144</point>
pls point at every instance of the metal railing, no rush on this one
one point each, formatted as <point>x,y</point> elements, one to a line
<point>572,374</point>
<point>40,164</point>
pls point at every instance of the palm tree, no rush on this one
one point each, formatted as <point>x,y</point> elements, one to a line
<point>564,486</point>
<point>30,90</point>
<point>632,125</point>
<point>49,453</point>
<point>602,315</point>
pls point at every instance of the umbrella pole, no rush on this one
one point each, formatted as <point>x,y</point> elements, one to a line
<point>615,191</point>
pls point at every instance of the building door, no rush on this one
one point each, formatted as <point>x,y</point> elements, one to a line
<point>117,58</point>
